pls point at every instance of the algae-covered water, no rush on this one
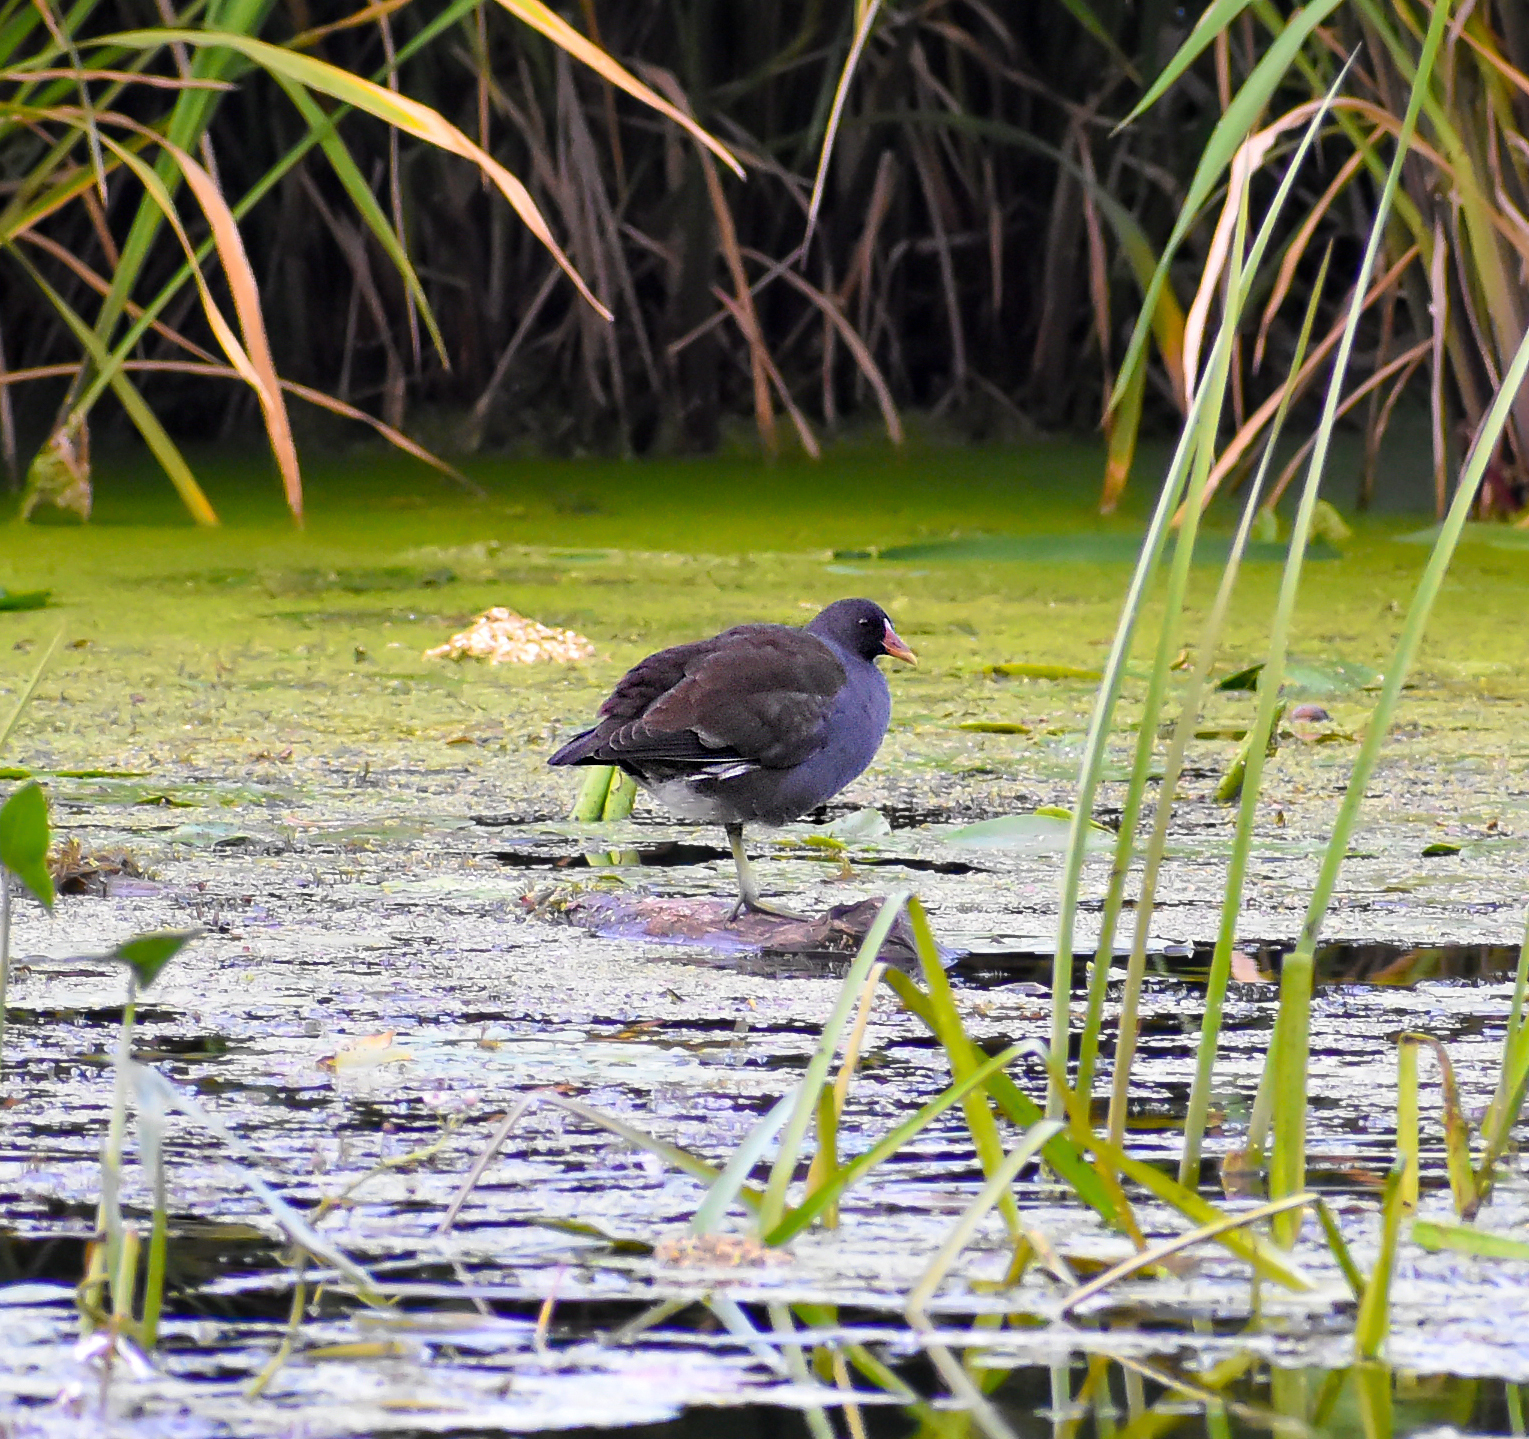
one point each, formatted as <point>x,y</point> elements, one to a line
<point>372,846</point>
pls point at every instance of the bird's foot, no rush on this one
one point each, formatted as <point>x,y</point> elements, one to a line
<point>759,906</point>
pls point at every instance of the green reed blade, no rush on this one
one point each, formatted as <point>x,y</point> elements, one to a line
<point>1252,776</point>
<point>1408,1139</point>
<point>997,1187</point>
<point>1374,1320</point>
<point>830,1192</point>
<point>1287,1168</point>
<point>1060,1153</point>
<point>773,1207</point>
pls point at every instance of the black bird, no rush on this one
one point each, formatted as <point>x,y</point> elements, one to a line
<point>759,724</point>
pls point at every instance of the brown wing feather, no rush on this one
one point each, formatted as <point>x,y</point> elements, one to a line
<point>756,694</point>
<point>762,696</point>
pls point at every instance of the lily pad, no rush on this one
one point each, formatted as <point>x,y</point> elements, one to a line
<point>858,826</point>
<point>1043,832</point>
<point>1441,847</point>
<point>994,727</point>
<point>1098,549</point>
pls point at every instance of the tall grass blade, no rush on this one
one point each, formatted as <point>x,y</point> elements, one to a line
<point>830,1192</point>
<point>1287,1169</point>
<point>732,1179</point>
<point>773,1207</point>
<point>1252,774</point>
<point>961,1232</point>
<point>1374,1320</point>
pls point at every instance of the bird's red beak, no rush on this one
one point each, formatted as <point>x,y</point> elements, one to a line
<point>892,644</point>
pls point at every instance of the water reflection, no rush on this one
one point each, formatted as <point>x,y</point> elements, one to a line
<point>1098,1397</point>
<point>1396,965</point>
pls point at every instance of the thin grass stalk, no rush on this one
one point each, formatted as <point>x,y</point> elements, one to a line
<point>825,1163</point>
<point>1340,1251</point>
<point>1147,1258</point>
<point>1374,1319</point>
<point>962,1057</point>
<point>5,960</point>
<point>1100,729</point>
<point>154,1271</point>
<point>1167,649</point>
<point>796,1365</point>
<point>257,1386</point>
<point>1287,1173</point>
<point>1101,719</point>
<point>109,1210</point>
<point>1515,1052</point>
<point>1253,768</point>
<point>773,1206</point>
<point>1408,1140</point>
<point>961,1232</point>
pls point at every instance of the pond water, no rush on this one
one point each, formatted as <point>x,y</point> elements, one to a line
<point>381,868</point>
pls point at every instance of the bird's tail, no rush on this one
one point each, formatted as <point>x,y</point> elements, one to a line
<point>581,749</point>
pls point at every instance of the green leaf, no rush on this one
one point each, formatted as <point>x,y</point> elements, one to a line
<point>24,599</point>
<point>1039,833</point>
<point>1243,680</point>
<point>147,954</point>
<point>1440,847</point>
<point>1464,1239</point>
<point>1026,671</point>
<point>24,837</point>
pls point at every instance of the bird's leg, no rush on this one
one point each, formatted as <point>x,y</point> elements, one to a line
<point>748,887</point>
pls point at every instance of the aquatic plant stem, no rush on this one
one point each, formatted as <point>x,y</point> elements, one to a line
<point>1242,842</point>
<point>773,1205</point>
<point>1515,1055</point>
<point>1287,1169</point>
<point>5,960</point>
<point>1206,404</point>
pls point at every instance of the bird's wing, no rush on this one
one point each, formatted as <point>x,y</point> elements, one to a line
<point>756,695</point>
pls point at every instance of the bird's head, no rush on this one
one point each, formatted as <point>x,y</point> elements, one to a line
<point>862,627</point>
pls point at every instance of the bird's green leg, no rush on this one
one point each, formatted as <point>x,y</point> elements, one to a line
<point>748,887</point>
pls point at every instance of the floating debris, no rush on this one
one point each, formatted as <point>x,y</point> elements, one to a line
<point>501,637</point>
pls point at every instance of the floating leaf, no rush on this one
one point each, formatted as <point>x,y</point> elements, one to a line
<point>1441,847</point>
<point>1023,671</point>
<point>1265,527</point>
<point>858,826</point>
<point>1243,679</point>
<point>1043,832</point>
<point>368,1052</point>
<point>1464,1239</point>
<point>24,837</point>
<point>1102,549</point>
<point>1327,523</point>
<point>147,954</point>
<point>994,727</point>
<point>24,599</point>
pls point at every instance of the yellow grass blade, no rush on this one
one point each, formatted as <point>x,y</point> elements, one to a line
<point>254,364</point>
<point>561,33</point>
<point>409,116</point>
<point>246,294</point>
<point>159,443</point>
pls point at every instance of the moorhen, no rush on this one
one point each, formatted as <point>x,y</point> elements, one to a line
<point>760,723</point>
